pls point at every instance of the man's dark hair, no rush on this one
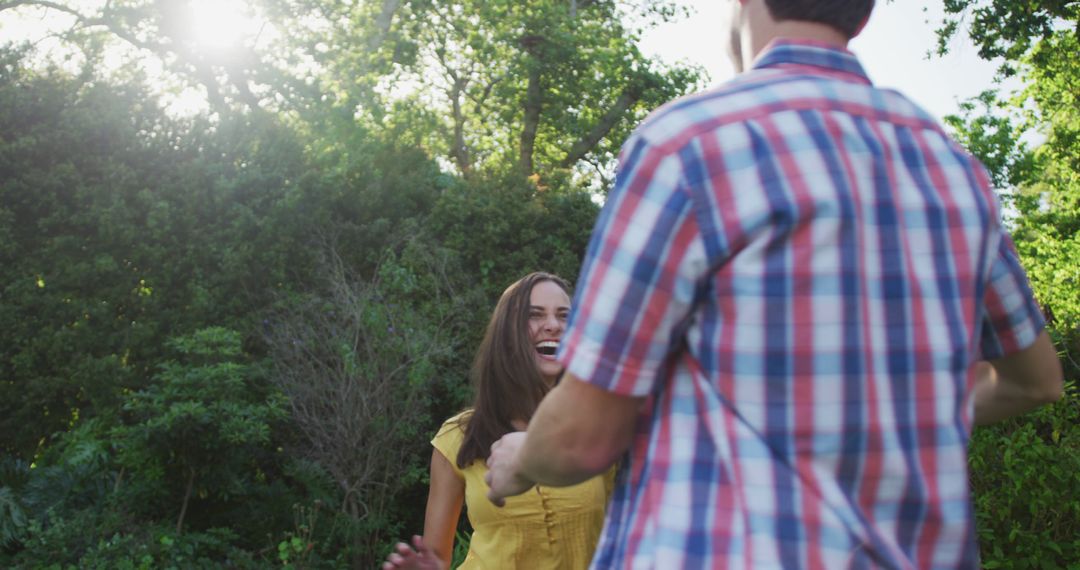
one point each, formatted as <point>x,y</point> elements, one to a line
<point>844,15</point>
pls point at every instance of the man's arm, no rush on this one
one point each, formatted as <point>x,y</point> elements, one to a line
<point>578,431</point>
<point>1019,382</point>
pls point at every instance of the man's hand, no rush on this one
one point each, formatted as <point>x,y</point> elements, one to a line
<point>504,470</point>
<point>577,433</point>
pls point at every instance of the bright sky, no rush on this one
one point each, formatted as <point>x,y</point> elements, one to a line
<point>892,49</point>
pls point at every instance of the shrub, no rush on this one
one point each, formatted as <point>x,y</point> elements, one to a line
<point>1025,475</point>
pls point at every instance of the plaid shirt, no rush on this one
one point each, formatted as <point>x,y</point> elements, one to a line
<point>799,270</point>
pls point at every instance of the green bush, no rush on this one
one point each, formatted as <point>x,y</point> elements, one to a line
<point>1025,475</point>
<point>91,540</point>
<point>503,229</point>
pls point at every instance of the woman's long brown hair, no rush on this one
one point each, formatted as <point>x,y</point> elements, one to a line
<point>508,385</point>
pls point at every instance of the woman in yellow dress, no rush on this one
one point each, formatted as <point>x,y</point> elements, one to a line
<point>545,528</point>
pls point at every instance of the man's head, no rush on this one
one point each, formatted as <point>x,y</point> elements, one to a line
<point>846,16</point>
<point>755,23</point>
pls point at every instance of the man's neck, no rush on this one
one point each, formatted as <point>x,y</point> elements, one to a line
<point>791,30</point>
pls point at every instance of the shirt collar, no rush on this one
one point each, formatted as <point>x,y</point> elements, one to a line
<point>805,52</point>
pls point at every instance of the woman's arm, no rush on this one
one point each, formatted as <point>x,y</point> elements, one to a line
<point>445,497</point>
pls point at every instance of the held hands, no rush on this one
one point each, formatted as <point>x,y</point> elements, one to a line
<point>405,557</point>
<point>503,476</point>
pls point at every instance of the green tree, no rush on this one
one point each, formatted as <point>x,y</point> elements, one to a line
<point>240,77</point>
<point>1006,29</point>
<point>202,423</point>
<point>505,227</point>
<point>138,249</point>
<point>531,87</point>
<point>1024,471</point>
<point>72,309</point>
<point>1041,185</point>
<point>123,227</point>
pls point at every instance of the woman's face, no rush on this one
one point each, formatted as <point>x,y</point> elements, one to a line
<point>548,308</point>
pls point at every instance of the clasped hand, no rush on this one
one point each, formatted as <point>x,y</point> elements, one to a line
<point>504,476</point>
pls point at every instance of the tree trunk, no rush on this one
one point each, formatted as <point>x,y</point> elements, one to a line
<point>460,151</point>
<point>382,24</point>
<point>532,119</point>
<point>187,498</point>
<point>119,478</point>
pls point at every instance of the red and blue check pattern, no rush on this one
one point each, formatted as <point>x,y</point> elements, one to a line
<point>799,270</point>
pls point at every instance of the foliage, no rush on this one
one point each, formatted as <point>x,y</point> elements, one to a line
<point>1006,28</point>
<point>530,88</point>
<point>370,178</point>
<point>986,129</point>
<point>461,548</point>
<point>117,243</point>
<point>140,274</point>
<point>1025,471</point>
<point>47,197</point>
<point>161,226</point>
<point>12,519</point>
<point>87,540</point>
<point>359,361</point>
<point>1050,226</point>
<point>202,428</point>
<point>87,501</point>
<point>1040,186</point>
<point>1026,474</point>
<point>504,228</point>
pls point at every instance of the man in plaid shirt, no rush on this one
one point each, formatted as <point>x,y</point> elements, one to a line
<point>797,300</point>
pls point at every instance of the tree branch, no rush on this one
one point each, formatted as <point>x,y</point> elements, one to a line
<point>83,20</point>
<point>201,70</point>
<point>602,127</point>
<point>42,3</point>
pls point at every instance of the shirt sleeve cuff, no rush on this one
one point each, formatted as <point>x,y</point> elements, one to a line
<point>626,378</point>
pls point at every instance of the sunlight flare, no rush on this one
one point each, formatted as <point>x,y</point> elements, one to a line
<point>221,25</point>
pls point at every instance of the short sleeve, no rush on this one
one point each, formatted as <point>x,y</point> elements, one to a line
<point>448,441</point>
<point>640,276</point>
<point>1011,319</point>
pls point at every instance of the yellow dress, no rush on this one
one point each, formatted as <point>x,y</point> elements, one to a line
<point>544,528</point>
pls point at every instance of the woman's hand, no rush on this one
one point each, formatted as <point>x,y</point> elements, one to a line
<point>416,557</point>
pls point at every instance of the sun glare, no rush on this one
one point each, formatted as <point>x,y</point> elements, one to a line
<point>221,25</point>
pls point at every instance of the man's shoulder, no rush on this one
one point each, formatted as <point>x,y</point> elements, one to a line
<point>689,115</point>
<point>762,92</point>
